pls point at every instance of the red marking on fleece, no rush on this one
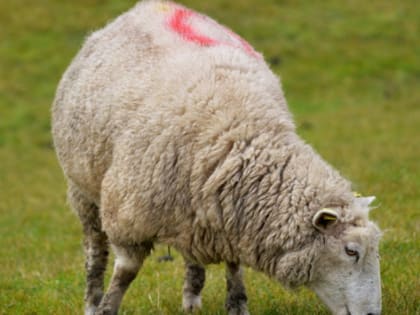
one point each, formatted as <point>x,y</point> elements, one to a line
<point>245,45</point>
<point>179,23</point>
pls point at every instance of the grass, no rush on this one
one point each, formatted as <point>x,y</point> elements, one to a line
<point>351,73</point>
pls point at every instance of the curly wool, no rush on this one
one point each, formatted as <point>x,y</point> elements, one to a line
<point>192,146</point>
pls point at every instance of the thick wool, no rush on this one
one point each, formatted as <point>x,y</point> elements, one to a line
<point>185,139</point>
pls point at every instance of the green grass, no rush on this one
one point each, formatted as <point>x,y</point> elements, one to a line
<point>351,73</point>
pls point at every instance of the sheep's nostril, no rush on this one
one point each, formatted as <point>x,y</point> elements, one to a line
<point>348,311</point>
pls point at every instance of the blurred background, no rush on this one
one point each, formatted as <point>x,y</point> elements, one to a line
<point>351,74</point>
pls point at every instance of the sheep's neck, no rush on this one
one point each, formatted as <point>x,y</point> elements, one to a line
<point>273,197</point>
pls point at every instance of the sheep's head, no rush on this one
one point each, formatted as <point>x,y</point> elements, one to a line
<point>346,275</point>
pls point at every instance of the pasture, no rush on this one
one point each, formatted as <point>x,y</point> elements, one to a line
<point>351,74</point>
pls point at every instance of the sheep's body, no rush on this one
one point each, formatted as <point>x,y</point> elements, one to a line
<point>178,132</point>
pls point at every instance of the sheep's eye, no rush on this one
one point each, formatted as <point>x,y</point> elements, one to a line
<point>352,252</point>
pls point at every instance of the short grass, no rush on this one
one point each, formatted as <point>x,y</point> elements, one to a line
<point>351,72</point>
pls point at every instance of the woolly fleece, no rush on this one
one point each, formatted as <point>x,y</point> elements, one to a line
<point>192,145</point>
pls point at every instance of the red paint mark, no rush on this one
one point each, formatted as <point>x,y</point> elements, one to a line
<point>245,45</point>
<point>180,23</point>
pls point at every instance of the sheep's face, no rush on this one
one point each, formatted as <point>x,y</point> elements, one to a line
<point>347,276</point>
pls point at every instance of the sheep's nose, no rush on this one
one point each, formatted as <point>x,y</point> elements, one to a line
<point>379,313</point>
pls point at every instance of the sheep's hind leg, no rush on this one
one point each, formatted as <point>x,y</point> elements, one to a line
<point>95,245</point>
<point>195,276</point>
<point>128,261</point>
<point>236,296</point>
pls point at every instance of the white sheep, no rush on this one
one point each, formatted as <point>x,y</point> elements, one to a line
<point>172,129</point>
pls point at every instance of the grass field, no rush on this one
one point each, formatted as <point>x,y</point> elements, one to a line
<point>351,72</point>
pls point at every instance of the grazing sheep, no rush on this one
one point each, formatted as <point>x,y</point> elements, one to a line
<point>170,128</point>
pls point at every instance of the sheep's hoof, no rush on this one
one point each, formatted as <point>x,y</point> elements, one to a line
<point>106,311</point>
<point>239,310</point>
<point>191,303</point>
<point>90,310</point>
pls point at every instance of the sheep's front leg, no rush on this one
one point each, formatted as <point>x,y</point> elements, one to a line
<point>195,276</point>
<point>128,261</point>
<point>236,296</point>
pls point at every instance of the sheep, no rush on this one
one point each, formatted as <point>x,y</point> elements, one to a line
<point>172,129</point>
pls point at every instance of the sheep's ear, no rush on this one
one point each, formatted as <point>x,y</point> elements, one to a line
<point>363,205</point>
<point>324,219</point>
<point>364,202</point>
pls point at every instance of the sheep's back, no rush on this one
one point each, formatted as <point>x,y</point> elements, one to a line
<point>143,76</point>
